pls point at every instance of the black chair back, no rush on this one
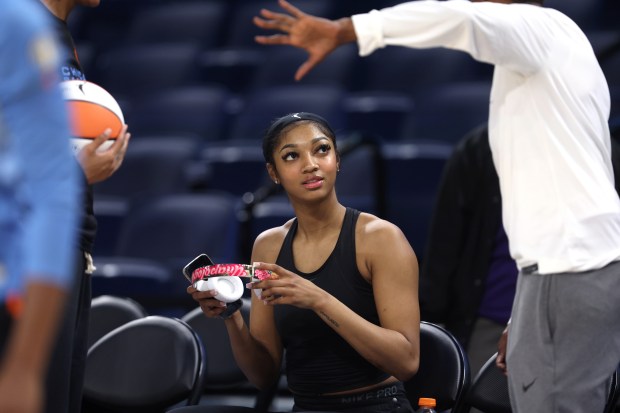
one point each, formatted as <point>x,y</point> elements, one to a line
<point>613,397</point>
<point>444,370</point>
<point>108,312</point>
<point>146,365</point>
<point>224,373</point>
<point>489,390</point>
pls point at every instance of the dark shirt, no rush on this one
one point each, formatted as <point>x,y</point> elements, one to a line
<point>71,70</point>
<point>462,237</point>
<point>318,360</point>
<point>501,282</point>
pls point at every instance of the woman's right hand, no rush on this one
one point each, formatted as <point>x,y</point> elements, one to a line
<point>210,306</point>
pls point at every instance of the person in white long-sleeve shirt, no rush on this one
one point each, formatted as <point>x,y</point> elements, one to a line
<point>549,136</point>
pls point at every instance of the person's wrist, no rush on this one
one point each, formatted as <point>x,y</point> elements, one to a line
<point>321,304</point>
<point>346,31</point>
<point>231,309</point>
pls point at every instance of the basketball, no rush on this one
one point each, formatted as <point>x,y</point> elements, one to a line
<point>92,110</point>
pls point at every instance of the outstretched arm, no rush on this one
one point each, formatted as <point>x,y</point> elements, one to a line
<point>317,36</point>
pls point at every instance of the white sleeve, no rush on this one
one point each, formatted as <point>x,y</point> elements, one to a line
<point>510,35</point>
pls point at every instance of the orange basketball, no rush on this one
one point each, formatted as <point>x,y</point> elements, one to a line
<point>92,110</point>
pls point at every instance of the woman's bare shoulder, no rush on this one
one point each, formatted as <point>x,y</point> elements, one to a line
<point>378,234</point>
<point>371,225</point>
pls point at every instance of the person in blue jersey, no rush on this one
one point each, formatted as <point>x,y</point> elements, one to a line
<point>342,303</point>
<point>67,374</point>
<point>39,204</point>
<point>550,142</point>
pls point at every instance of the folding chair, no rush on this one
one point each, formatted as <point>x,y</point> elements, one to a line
<point>146,365</point>
<point>444,370</point>
<point>108,312</point>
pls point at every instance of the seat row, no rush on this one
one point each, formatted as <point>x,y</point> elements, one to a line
<point>395,180</point>
<point>133,69</point>
<point>219,23</point>
<point>212,113</point>
<point>158,363</point>
<point>156,42</point>
<point>136,69</point>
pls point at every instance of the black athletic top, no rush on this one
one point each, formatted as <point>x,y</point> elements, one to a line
<point>318,360</point>
<point>72,70</point>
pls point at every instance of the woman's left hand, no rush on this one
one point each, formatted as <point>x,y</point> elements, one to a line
<point>287,287</point>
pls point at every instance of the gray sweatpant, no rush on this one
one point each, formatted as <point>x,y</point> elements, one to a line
<point>564,340</point>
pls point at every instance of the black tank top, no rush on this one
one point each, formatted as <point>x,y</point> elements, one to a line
<point>318,360</point>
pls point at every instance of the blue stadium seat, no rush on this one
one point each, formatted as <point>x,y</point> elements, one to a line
<point>241,31</point>
<point>611,15</point>
<point>360,182</point>
<point>197,22</point>
<point>200,111</point>
<point>159,236</point>
<point>175,228</point>
<point>586,13</point>
<point>263,106</point>
<point>412,173</point>
<point>614,117</point>
<point>106,26</point>
<point>281,62</point>
<point>151,166</point>
<point>378,113</point>
<point>271,213</point>
<point>235,166</point>
<point>405,70</point>
<point>604,42</point>
<point>611,67</point>
<point>234,63</point>
<point>234,68</point>
<point>448,111</point>
<point>136,70</point>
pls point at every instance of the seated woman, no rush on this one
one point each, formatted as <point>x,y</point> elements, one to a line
<point>343,296</point>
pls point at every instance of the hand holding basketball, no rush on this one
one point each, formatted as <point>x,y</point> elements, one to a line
<point>98,164</point>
